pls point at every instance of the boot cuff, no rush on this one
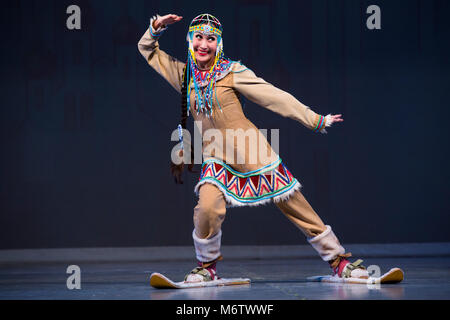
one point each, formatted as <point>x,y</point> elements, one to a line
<point>327,244</point>
<point>207,250</point>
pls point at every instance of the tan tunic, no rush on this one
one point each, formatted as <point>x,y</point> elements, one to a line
<point>245,151</point>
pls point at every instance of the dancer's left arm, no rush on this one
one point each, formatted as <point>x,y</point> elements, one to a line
<point>270,97</point>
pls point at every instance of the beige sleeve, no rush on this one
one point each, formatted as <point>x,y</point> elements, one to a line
<point>270,97</point>
<point>167,66</point>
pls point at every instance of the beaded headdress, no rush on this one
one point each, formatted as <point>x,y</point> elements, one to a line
<point>208,25</point>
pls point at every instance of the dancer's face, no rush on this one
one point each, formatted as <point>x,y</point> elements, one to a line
<point>205,47</point>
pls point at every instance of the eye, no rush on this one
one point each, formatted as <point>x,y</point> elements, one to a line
<point>211,38</point>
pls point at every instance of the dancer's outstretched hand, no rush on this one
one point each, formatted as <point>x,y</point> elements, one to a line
<point>336,118</point>
<point>166,20</point>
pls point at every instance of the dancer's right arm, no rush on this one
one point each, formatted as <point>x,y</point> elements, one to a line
<point>167,66</point>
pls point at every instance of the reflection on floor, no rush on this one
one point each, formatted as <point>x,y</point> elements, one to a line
<point>278,279</point>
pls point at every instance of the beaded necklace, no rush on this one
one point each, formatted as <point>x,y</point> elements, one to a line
<point>204,88</point>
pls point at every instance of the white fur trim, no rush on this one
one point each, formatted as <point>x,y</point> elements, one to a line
<point>207,250</point>
<point>327,123</point>
<point>194,278</point>
<point>359,273</point>
<point>284,196</point>
<point>231,202</point>
<point>328,120</point>
<point>327,244</point>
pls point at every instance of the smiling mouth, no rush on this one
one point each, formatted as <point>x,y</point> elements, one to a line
<point>202,53</point>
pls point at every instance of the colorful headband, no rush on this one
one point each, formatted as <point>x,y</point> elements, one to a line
<point>206,24</point>
<point>206,18</point>
<point>206,29</point>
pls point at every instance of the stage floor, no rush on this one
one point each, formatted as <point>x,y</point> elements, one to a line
<point>272,279</point>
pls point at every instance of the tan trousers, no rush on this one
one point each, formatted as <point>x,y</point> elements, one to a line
<point>211,208</point>
<point>209,214</point>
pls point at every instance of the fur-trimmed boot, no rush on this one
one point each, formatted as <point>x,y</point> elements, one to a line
<point>204,272</point>
<point>330,250</point>
<point>205,250</point>
<point>346,269</point>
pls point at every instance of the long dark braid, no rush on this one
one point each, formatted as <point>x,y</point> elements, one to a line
<point>184,99</point>
<point>177,169</point>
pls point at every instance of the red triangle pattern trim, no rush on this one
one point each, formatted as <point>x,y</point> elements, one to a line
<point>252,187</point>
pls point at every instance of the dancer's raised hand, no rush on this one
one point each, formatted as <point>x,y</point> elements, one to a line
<point>166,20</point>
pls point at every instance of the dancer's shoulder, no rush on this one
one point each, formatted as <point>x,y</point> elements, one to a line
<point>238,67</point>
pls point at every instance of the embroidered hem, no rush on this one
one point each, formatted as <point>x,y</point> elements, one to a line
<point>273,182</point>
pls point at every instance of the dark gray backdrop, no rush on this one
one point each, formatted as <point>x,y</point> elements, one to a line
<point>86,122</point>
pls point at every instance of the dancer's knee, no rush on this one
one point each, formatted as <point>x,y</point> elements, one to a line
<point>208,217</point>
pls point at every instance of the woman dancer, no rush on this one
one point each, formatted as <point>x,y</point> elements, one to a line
<point>251,174</point>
